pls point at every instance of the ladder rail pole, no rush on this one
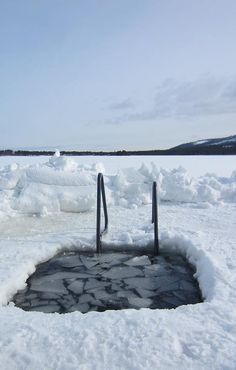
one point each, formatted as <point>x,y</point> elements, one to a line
<point>155,217</point>
<point>98,221</point>
<point>104,204</point>
<point>101,202</point>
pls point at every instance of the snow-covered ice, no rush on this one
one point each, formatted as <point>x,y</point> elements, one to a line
<point>197,218</point>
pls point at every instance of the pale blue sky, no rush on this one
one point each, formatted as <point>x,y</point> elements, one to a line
<point>114,74</point>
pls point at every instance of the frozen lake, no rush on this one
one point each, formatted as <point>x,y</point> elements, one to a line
<point>195,165</point>
<point>48,209</point>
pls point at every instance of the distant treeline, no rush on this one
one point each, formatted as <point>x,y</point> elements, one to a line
<point>193,150</point>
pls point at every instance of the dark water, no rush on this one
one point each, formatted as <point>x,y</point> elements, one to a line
<point>112,281</point>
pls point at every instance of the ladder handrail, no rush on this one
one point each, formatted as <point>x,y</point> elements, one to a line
<point>101,197</point>
<point>155,217</point>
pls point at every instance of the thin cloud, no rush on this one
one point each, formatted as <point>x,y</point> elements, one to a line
<point>121,105</point>
<point>202,97</point>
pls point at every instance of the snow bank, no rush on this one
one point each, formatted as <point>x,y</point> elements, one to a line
<point>60,184</point>
<point>133,187</point>
<point>63,185</point>
<point>205,270</point>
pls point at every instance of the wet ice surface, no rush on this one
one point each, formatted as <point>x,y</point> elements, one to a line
<point>111,281</point>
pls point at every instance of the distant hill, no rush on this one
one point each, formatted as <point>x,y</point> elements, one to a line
<point>220,146</point>
<point>224,145</point>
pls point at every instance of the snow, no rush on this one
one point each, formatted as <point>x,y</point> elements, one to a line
<point>195,165</point>
<point>200,142</point>
<point>63,185</point>
<point>224,141</point>
<point>43,212</point>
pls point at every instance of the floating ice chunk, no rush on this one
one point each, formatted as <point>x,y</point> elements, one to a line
<point>103,295</point>
<point>172,301</point>
<point>180,295</point>
<point>64,275</point>
<point>96,271</point>
<point>139,282</point>
<point>155,270</point>
<point>115,287</point>
<point>51,286</point>
<point>121,272</point>
<point>91,300</point>
<point>126,294</point>
<point>56,276</point>
<point>71,261</point>
<point>168,287</point>
<point>159,260</point>
<point>20,299</point>
<point>164,281</point>
<point>78,275</point>
<point>38,302</point>
<point>139,302</point>
<point>185,285</point>
<point>182,269</point>
<point>85,298</point>
<point>47,308</point>
<point>48,295</point>
<point>82,307</point>
<point>32,296</point>
<point>66,301</point>
<point>144,293</point>
<point>113,257</point>
<point>88,262</point>
<point>93,283</point>
<point>138,261</point>
<point>76,287</point>
<point>25,305</point>
<point>23,291</point>
<point>106,265</point>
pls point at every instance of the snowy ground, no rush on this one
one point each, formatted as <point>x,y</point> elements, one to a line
<point>46,208</point>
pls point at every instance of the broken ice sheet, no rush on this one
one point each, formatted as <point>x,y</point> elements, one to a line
<point>95,271</point>
<point>168,287</point>
<point>68,261</point>
<point>47,308</point>
<point>82,307</point>
<point>144,293</point>
<point>126,294</point>
<point>55,276</point>
<point>85,298</point>
<point>139,282</point>
<point>113,258</point>
<point>115,287</point>
<point>38,302</point>
<point>155,270</point>
<point>93,283</point>
<point>121,272</point>
<point>49,295</point>
<point>185,285</point>
<point>89,262</point>
<point>138,261</point>
<point>66,301</point>
<point>100,282</point>
<point>139,302</point>
<point>51,286</point>
<point>76,287</point>
<point>103,295</point>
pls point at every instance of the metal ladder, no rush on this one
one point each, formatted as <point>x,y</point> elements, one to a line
<point>101,201</point>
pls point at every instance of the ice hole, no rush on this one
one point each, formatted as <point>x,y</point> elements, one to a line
<point>111,281</point>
